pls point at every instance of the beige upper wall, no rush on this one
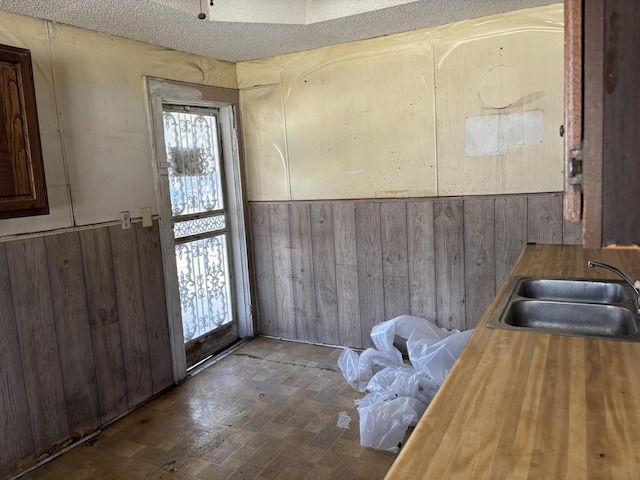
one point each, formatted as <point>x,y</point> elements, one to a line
<point>350,121</point>
<point>468,108</point>
<point>92,116</point>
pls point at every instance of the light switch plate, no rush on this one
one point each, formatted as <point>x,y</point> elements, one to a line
<point>146,216</point>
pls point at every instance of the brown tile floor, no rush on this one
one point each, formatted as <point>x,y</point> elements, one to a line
<point>266,411</point>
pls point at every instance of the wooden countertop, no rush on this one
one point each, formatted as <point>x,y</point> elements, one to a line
<point>530,405</point>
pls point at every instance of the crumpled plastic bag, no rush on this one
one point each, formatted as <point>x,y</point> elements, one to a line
<point>384,421</point>
<point>359,369</point>
<point>403,381</point>
<point>436,359</point>
<point>395,332</point>
<point>396,399</point>
<point>398,394</point>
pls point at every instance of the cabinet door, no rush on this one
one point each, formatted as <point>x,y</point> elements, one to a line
<point>22,183</point>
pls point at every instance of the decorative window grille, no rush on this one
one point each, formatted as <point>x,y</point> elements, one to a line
<point>199,220</point>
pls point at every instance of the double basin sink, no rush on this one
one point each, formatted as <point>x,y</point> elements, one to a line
<point>577,307</point>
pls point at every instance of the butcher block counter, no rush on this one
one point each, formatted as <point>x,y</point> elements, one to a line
<point>533,405</point>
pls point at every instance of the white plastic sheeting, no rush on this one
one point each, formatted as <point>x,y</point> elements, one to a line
<point>397,394</point>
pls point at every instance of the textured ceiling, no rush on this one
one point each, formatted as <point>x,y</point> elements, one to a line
<point>174,23</point>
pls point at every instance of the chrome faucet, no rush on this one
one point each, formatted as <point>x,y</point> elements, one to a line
<point>634,284</point>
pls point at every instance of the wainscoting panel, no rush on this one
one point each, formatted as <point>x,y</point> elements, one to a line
<point>37,339</point>
<point>16,439</point>
<point>73,330</point>
<point>83,336</point>
<point>448,223</point>
<point>329,271</point>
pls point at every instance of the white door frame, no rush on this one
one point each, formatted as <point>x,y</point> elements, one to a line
<point>158,92</point>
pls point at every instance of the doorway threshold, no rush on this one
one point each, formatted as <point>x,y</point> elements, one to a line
<point>215,358</point>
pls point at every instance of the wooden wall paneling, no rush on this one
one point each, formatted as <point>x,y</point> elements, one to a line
<point>621,168</point>
<point>28,271</point>
<point>282,270</point>
<point>104,320</point>
<point>393,224</point>
<point>510,234</point>
<point>594,75</point>
<point>370,275</point>
<point>545,219</point>
<point>346,257</point>
<point>302,265</point>
<point>263,264</point>
<point>133,321</point>
<point>348,298</point>
<point>16,438</point>
<point>449,251</point>
<point>155,305</point>
<point>324,268</point>
<point>421,260</point>
<point>571,233</point>
<point>69,297</point>
<point>479,258</point>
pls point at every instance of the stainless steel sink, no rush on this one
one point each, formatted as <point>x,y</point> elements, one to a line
<point>592,291</point>
<point>572,318</point>
<point>576,307</point>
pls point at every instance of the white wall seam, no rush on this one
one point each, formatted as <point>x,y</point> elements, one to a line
<point>72,216</point>
<point>286,137</point>
<point>434,93</point>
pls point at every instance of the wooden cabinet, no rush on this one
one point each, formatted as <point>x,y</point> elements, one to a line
<point>22,182</point>
<point>610,124</point>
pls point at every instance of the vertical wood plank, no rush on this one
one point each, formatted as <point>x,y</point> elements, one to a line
<point>282,270</point>
<point>29,276</point>
<point>593,117</point>
<point>344,233</point>
<point>133,322</point>
<point>370,276</point>
<point>260,224</point>
<point>621,168</point>
<point>545,219</point>
<point>69,296</point>
<point>479,268</point>
<point>344,236</point>
<point>421,259</point>
<point>348,295</point>
<point>324,268</point>
<point>155,305</point>
<point>99,281</point>
<point>263,264</point>
<point>302,263</point>
<point>16,438</point>
<point>105,326</point>
<point>571,233</point>
<point>449,248</point>
<point>510,233</point>
<point>393,223</point>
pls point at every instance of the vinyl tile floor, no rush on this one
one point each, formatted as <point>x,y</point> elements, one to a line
<point>267,411</point>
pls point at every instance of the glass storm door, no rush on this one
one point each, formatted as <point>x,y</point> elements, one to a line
<point>200,229</point>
